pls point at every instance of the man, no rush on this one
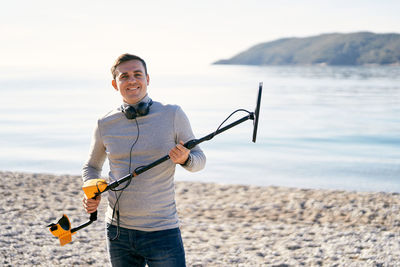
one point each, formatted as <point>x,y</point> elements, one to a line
<point>142,221</point>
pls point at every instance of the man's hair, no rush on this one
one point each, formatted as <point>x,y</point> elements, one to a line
<point>123,58</point>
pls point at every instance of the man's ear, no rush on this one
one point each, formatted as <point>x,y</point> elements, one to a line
<point>148,79</point>
<point>114,84</point>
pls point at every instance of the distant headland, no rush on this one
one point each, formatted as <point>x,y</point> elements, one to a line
<point>360,48</point>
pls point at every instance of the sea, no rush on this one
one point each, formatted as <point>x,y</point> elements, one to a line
<point>319,126</point>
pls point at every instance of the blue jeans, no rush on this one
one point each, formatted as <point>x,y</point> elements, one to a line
<point>138,248</point>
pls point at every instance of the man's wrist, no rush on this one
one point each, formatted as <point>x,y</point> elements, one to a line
<point>188,161</point>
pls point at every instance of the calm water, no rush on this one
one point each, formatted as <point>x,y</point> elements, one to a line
<point>320,127</point>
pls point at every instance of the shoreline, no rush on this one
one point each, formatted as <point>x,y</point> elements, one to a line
<point>222,225</point>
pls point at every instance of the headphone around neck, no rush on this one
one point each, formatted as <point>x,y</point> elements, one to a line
<point>142,109</point>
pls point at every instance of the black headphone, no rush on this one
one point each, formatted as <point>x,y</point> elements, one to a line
<point>142,109</point>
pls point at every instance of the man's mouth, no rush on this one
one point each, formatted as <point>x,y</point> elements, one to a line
<point>132,88</point>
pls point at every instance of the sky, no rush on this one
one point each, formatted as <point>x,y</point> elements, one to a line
<point>80,36</point>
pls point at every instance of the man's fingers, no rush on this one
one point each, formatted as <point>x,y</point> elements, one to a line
<point>90,205</point>
<point>179,153</point>
<point>181,146</point>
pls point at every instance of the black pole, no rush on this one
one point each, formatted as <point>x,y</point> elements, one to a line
<point>189,145</point>
<point>93,217</point>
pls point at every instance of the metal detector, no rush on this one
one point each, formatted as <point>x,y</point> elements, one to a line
<point>95,187</point>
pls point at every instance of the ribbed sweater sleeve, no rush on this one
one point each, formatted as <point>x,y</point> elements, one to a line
<point>183,130</point>
<point>97,155</point>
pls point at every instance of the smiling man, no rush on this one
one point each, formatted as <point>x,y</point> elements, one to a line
<point>131,80</point>
<point>142,222</point>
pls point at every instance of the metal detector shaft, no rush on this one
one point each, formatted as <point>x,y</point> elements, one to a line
<point>93,217</point>
<point>189,145</point>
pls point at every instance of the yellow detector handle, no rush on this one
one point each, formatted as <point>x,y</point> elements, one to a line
<point>93,186</point>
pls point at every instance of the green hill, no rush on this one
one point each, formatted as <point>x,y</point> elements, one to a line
<point>361,48</point>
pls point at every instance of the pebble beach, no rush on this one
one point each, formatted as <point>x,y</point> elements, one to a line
<point>222,225</point>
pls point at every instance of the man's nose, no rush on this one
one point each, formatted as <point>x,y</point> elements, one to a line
<point>132,79</point>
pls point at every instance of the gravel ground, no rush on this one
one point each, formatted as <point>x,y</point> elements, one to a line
<point>222,225</point>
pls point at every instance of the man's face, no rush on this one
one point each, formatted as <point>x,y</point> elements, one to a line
<point>131,81</point>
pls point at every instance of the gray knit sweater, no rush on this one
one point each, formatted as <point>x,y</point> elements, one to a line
<point>148,203</point>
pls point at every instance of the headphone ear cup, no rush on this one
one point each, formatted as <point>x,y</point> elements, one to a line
<point>143,109</point>
<point>130,113</point>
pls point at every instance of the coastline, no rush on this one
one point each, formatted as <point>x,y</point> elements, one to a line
<point>222,225</point>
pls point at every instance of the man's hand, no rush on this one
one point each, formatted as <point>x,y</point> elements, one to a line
<point>179,154</point>
<point>90,204</point>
